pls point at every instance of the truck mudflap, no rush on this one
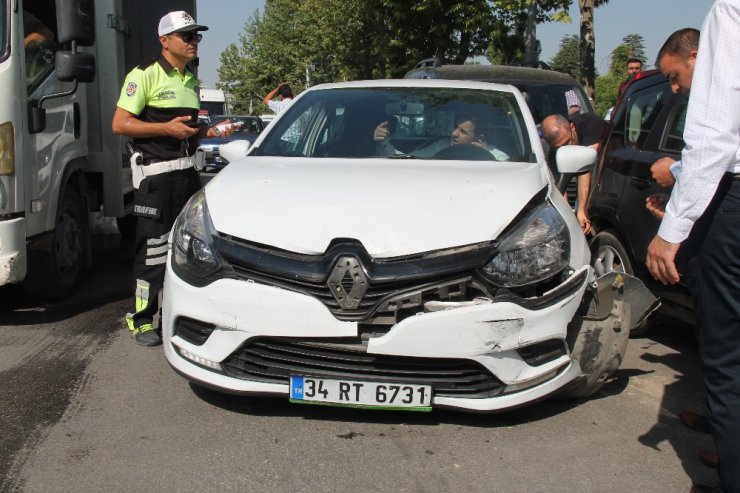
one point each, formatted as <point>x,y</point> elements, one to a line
<point>598,334</point>
<point>12,251</point>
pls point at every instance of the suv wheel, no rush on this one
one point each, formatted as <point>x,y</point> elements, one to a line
<point>607,255</point>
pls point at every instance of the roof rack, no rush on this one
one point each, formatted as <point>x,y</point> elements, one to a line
<point>432,62</point>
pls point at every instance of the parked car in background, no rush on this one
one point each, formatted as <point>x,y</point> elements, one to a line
<point>546,92</point>
<point>267,118</point>
<point>342,274</point>
<point>646,125</point>
<point>248,128</point>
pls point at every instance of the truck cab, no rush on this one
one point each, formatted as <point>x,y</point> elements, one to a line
<point>59,159</point>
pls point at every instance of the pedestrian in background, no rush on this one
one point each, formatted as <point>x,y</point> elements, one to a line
<point>634,66</point>
<point>704,208</point>
<point>285,93</point>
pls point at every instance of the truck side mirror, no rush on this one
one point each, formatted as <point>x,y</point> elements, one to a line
<point>76,21</point>
<point>70,66</point>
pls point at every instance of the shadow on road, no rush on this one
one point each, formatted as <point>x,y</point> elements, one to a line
<point>684,393</point>
<point>275,406</point>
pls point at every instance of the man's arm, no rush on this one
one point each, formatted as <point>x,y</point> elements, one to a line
<point>271,95</point>
<point>128,124</point>
<point>584,184</point>
<point>711,136</point>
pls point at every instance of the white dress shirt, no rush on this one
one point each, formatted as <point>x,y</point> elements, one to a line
<point>712,132</point>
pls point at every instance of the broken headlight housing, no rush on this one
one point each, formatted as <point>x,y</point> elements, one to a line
<point>534,249</point>
<point>193,256</point>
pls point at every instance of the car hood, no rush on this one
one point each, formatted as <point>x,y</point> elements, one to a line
<point>393,207</point>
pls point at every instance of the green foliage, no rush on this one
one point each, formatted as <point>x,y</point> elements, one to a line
<point>606,92</point>
<point>306,42</point>
<point>568,57</point>
<point>635,44</point>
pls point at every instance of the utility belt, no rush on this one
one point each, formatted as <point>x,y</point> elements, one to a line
<point>139,170</point>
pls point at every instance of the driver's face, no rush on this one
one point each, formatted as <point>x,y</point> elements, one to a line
<point>464,133</point>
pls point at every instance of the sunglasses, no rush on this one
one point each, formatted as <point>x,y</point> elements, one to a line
<point>189,37</point>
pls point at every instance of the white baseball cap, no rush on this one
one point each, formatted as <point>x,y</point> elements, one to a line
<point>176,22</point>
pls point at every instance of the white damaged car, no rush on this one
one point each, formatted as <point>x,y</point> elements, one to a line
<point>394,244</point>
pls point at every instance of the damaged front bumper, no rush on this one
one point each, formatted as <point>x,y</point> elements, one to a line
<point>525,350</point>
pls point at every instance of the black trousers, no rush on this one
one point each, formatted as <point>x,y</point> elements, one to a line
<point>713,276</point>
<point>158,201</point>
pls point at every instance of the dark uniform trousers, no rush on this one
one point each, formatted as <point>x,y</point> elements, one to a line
<point>713,277</point>
<point>158,201</point>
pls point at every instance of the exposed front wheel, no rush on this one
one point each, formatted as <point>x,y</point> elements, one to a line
<point>609,255</point>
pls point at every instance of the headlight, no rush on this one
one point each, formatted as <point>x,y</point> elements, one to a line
<point>194,257</point>
<point>535,249</point>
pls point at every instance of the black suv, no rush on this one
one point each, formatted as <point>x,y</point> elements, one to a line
<point>646,125</point>
<point>545,91</point>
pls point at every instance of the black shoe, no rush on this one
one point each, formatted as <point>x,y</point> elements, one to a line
<point>703,488</point>
<point>695,421</point>
<point>148,338</point>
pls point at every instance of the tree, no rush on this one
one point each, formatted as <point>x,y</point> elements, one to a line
<point>521,18</point>
<point>635,44</point>
<point>567,59</point>
<point>588,44</point>
<point>314,41</point>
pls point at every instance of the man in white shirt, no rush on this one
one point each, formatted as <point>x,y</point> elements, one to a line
<point>706,203</point>
<point>285,93</point>
<point>676,60</point>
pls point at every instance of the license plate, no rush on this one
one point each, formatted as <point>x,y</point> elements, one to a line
<point>404,396</point>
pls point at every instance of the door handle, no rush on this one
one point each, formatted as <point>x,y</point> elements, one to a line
<point>640,183</point>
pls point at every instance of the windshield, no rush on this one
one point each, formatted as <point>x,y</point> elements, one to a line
<point>402,122</point>
<point>4,31</point>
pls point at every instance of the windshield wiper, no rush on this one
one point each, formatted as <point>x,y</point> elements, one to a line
<point>402,156</point>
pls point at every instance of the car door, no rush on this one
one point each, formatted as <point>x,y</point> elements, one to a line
<point>633,146</point>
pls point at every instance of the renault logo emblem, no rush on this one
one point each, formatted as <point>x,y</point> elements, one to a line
<point>347,282</point>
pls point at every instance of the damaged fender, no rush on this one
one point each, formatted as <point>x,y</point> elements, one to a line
<point>598,334</point>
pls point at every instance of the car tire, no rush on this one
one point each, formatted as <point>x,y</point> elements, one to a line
<point>607,255</point>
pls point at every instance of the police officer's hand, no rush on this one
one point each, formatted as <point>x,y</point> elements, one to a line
<point>179,127</point>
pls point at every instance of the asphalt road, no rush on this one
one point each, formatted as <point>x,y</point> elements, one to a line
<point>85,409</point>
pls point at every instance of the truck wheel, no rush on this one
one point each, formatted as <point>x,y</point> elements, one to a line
<point>54,272</point>
<point>607,255</point>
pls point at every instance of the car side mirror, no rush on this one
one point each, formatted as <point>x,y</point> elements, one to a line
<point>233,151</point>
<point>573,159</point>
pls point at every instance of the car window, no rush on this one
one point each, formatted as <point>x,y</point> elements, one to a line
<point>643,108</point>
<point>673,138</point>
<point>415,122</point>
<point>544,100</point>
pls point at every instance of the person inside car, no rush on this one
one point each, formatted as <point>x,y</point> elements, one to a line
<point>469,129</point>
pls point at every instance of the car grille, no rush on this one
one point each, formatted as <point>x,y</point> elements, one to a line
<point>387,296</point>
<point>389,284</point>
<point>274,360</point>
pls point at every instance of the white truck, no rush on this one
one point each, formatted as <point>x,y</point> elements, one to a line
<point>212,103</point>
<point>59,159</point>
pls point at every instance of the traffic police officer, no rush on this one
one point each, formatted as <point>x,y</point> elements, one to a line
<point>158,108</point>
